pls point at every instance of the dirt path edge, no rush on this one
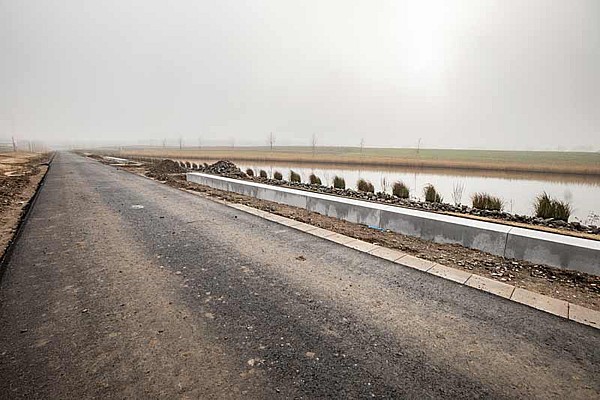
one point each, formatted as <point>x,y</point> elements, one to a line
<point>25,212</point>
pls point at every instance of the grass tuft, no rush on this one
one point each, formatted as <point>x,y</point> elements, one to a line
<point>399,189</point>
<point>547,207</point>
<point>431,195</point>
<point>262,173</point>
<point>485,201</point>
<point>314,179</point>
<point>365,186</point>
<point>277,175</point>
<point>295,177</point>
<point>249,172</point>
<point>339,182</point>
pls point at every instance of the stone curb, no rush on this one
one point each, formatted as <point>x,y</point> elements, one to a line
<point>538,301</point>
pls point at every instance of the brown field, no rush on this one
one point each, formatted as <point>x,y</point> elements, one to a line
<point>543,162</point>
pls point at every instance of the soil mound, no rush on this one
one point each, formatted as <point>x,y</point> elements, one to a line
<point>163,169</point>
<point>167,167</point>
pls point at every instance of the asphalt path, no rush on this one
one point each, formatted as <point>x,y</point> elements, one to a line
<point>121,287</point>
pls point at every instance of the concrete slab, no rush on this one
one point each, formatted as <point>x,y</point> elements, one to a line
<point>416,263</point>
<point>292,222</point>
<point>303,227</point>
<point>276,218</point>
<point>541,302</point>
<point>387,254</point>
<point>361,245</point>
<point>439,228</point>
<point>451,274</point>
<point>584,315</point>
<point>323,233</point>
<point>555,250</point>
<point>491,286</point>
<point>341,239</point>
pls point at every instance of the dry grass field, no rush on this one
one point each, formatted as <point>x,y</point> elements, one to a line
<point>580,163</point>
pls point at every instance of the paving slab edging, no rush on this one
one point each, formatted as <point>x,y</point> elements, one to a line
<point>560,308</point>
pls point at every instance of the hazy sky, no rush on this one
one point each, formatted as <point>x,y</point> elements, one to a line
<point>472,73</point>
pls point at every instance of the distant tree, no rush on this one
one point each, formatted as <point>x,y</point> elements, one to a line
<point>314,143</point>
<point>271,140</point>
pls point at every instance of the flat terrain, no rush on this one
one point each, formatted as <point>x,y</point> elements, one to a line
<point>579,163</point>
<point>120,287</point>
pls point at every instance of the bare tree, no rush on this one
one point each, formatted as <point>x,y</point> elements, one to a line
<point>180,143</point>
<point>314,143</point>
<point>418,145</point>
<point>14,144</point>
<point>362,145</point>
<point>271,140</point>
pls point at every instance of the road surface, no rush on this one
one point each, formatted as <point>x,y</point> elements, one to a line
<point>120,287</point>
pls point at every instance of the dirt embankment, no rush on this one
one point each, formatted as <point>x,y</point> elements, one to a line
<point>20,176</point>
<point>575,287</point>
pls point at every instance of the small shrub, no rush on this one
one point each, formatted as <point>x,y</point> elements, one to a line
<point>262,173</point>
<point>485,201</point>
<point>339,182</point>
<point>277,175</point>
<point>365,186</point>
<point>314,180</point>
<point>431,195</point>
<point>547,207</point>
<point>249,172</point>
<point>295,177</point>
<point>399,189</point>
<point>562,210</point>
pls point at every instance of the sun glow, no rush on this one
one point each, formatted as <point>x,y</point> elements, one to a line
<point>425,32</point>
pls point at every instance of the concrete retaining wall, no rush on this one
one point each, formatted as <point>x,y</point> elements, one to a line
<point>524,244</point>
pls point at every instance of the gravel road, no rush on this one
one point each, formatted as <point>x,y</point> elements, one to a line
<point>120,287</point>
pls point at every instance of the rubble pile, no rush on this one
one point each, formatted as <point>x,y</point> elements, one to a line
<point>224,168</point>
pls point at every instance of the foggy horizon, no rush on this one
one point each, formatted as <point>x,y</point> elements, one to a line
<point>501,75</point>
